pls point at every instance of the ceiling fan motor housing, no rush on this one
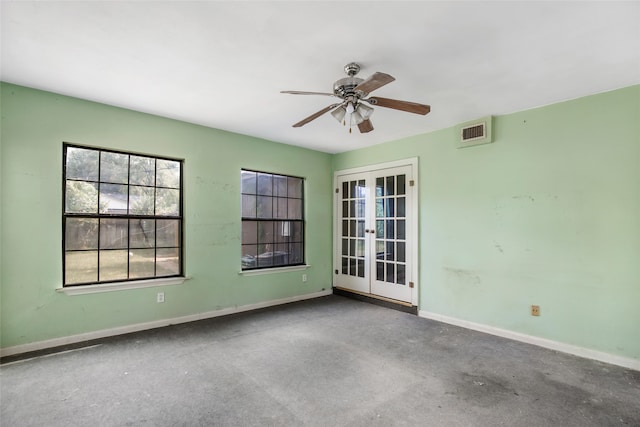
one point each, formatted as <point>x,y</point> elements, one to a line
<point>345,87</point>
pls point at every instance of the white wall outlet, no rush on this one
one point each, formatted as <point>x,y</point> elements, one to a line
<point>304,277</point>
<point>160,297</point>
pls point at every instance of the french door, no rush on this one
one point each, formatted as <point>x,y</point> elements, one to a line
<point>375,232</point>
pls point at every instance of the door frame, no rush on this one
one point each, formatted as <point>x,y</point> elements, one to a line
<point>414,220</point>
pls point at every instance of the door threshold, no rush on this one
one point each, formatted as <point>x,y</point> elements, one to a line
<point>403,306</point>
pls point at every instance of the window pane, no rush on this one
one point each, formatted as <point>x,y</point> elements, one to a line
<point>295,209</point>
<point>265,185</point>
<point>284,231</point>
<point>345,265</point>
<point>352,247</point>
<point>167,233</point>
<point>265,259</point>
<point>81,267</point>
<point>141,200</point>
<point>295,187</point>
<point>113,198</point>
<point>297,231</point>
<point>81,233</point>
<point>345,227</point>
<point>82,164</point>
<point>296,255</point>
<point>281,209</point>
<point>142,233</point>
<point>114,233</point>
<point>167,262</point>
<point>248,182</point>
<point>142,170</point>
<point>280,185</point>
<point>265,207</point>
<point>114,265</point>
<point>281,254</point>
<point>141,263</point>
<point>345,190</point>
<point>81,197</point>
<point>114,167</point>
<point>265,232</point>
<point>345,209</point>
<point>248,206</point>
<point>167,173</point>
<point>167,202</point>
<point>249,232</point>
<point>249,254</point>
<point>345,246</point>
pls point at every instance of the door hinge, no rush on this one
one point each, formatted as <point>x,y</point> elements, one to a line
<point>336,271</point>
<point>411,284</point>
<point>337,190</point>
<point>411,183</point>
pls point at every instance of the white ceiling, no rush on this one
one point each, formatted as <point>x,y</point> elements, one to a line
<point>223,64</point>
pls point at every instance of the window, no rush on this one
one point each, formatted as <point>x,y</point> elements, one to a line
<point>122,217</point>
<point>272,220</point>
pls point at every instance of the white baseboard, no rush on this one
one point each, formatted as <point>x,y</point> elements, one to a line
<point>541,342</point>
<point>56,342</point>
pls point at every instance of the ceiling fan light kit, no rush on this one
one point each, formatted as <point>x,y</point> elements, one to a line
<point>353,91</point>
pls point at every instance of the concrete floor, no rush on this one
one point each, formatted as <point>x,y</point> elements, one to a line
<point>331,361</point>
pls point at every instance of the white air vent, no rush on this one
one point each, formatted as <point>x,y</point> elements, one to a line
<point>471,133</point>
<point>475,133</point>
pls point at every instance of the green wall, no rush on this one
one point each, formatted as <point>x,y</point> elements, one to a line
<point>34,126</point>
<point>549,214</point>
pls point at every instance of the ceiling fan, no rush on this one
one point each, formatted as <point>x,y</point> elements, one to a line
<point>353,91</point>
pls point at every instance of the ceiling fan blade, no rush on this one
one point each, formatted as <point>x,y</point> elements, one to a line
<point>315,115</point>
<point>297,92</point>
<point>411,107</point>
<point>365,126</point>
<point>377,80</point>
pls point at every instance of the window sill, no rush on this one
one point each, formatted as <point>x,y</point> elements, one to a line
<point>259,272</point>
<point>120,286</point>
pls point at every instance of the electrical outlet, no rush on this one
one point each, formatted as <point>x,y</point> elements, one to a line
<point>304,277</point>
<point>160,297</point>
<point>535,310</point>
